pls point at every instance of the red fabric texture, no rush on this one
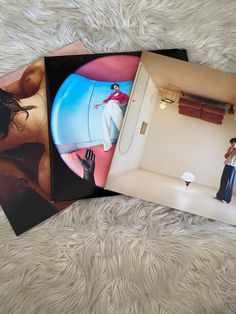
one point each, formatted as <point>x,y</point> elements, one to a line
<point>207,113</point>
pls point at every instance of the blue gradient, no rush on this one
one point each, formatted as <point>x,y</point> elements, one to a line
<point>73,118</point>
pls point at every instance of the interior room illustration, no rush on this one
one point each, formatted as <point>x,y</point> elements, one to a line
<point>175,133</point>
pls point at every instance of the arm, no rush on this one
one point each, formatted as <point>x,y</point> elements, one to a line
<point>228,153</point>
<point>98,105</point>
<point>103,102</point>
<point>125,100</point>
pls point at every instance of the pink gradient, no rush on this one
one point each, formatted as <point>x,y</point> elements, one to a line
<point>11,77</point>
<point>73,49</point>
<point>102,162</point>
<point>110,68</point>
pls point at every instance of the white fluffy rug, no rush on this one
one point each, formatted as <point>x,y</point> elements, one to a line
<point>117,254</point>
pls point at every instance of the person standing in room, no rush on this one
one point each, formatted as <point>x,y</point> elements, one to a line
<point>228,176</point>
<point>112,112</point>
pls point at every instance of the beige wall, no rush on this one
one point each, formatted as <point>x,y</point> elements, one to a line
<point>190,77</point>
<point>130,146</point>
<point>175,143</point>
<point>178,143</point>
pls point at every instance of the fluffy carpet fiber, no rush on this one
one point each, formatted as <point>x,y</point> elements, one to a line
<point>118,254</point>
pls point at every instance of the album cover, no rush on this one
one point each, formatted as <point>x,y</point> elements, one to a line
<point>177,144</point>
<point>24,153</point>
<point>87,96</point>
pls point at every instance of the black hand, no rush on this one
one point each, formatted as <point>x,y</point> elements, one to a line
<point>88,164</point>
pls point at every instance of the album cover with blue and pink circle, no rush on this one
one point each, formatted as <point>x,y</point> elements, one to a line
<point>87,99</point>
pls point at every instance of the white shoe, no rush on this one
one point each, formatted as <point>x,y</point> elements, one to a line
<point>106,149</point>
<point>223,201</point>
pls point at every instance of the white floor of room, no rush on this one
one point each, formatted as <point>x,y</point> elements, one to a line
<point>172,192</point>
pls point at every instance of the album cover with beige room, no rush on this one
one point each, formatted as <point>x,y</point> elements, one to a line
<point>177,144</point>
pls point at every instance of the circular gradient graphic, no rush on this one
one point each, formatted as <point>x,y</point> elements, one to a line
<point>76,125</point>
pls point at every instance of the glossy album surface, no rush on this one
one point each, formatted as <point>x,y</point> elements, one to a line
<point>25,173</point>
<point>177,144</point>
<point>25,192</point>
<point>87,98</point>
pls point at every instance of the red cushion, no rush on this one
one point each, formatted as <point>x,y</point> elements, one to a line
<point>194,109</point>
<point>189,108</point>
<point>212,114</point>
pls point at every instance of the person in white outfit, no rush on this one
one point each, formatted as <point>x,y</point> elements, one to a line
<point>112,112</point>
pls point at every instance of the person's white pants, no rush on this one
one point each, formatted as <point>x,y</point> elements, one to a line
<point>112,112</point>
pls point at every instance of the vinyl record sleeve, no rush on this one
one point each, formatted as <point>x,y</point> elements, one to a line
<point>24,195</point>
<point>74,85</point>
<point>177,144</point>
